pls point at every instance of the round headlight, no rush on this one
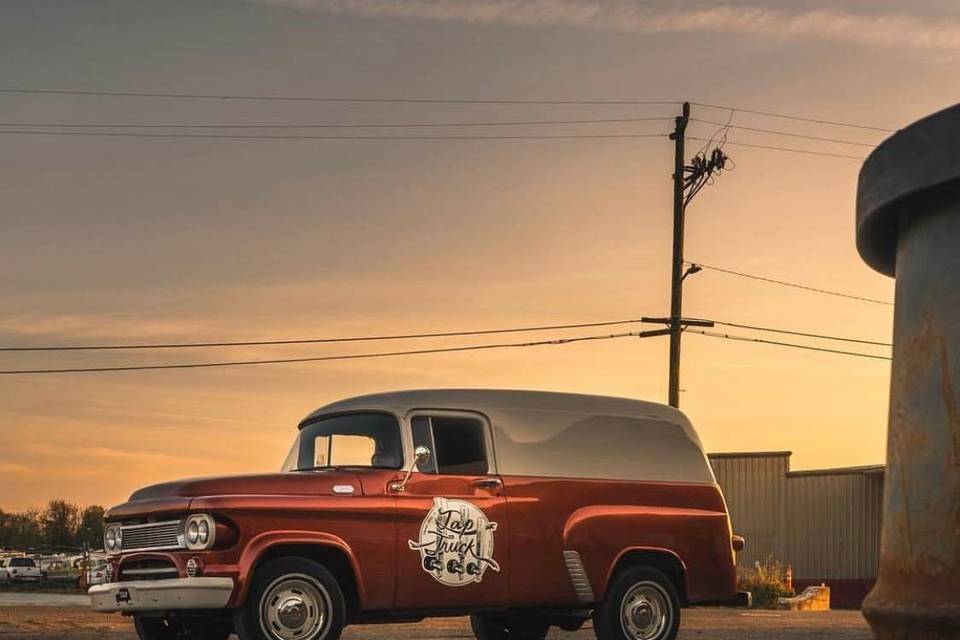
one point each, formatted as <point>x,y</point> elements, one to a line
<point>199,532</point>
<point>111,539</point>
<point>203,532</point>
<point>193,532</point>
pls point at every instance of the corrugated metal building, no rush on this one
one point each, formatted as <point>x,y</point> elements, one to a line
<point>824,523</point>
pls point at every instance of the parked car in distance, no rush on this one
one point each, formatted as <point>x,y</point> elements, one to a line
<point>96,571</point>
<point>522,509</point>
<point>21,570</point>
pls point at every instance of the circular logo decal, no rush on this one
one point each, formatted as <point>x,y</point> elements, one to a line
<point>456,543</point>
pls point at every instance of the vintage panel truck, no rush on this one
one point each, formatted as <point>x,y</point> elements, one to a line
<point>521,509</point>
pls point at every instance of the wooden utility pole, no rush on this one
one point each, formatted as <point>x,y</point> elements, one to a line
<point>687,182</point>
<point>676,289</point>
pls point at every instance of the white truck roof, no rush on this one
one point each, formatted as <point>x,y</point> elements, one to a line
<point>564,435</point>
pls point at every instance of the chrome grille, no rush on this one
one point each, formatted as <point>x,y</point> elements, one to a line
<point>153,569</point>
<point>152,536</point>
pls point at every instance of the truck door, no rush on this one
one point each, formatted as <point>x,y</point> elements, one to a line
<point>451,518</point>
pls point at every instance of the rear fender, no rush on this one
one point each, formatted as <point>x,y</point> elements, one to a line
<point>697,539</point>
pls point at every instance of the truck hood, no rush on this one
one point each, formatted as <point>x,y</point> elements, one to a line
<point>176,496</point>
<point>294,483</point>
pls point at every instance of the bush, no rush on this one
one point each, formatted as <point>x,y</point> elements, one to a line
<point>765,581</point>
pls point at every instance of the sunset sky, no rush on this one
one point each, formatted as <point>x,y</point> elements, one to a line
<point>137,240</point>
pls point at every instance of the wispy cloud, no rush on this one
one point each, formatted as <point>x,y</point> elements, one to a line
<point>101,455</point>
<point>16,468</point>
<point>879,29</point>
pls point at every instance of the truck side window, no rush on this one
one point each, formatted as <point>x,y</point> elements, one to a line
<point>461,446</point>
<point>458,444</point>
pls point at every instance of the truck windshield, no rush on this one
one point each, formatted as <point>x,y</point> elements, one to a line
<point>349,440</point>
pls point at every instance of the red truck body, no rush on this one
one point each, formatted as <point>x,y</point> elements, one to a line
<point>467,535</point>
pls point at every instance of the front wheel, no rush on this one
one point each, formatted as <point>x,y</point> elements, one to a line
<point>292,599</point>
<point>516,626</point>
<point>641,604</point>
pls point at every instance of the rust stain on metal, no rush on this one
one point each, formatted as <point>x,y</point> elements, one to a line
<point>925,358</point>
<point>919,352</point>
<point>902,526</point>
<point>949,399</point>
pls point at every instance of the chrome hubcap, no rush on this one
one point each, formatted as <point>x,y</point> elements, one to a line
<point>292,612</point>
<point>645,612</point>
<point>295,607</point>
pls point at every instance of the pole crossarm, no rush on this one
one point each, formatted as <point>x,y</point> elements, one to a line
<point>689,322</point>
<point>654,333</point>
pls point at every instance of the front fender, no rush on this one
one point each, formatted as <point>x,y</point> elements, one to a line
<point>262,543</point>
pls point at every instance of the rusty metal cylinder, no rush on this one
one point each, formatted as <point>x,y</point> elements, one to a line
<point>908,226</point>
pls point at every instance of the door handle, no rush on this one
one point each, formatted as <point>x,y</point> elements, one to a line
<point>490,484</point>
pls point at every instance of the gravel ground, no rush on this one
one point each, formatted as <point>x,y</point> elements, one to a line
<point>19,622</point>
<point>26,599</point>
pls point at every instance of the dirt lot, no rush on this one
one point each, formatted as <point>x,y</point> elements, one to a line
<point>21,622</point>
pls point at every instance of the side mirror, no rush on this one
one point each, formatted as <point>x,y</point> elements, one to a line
<point>420,456</point>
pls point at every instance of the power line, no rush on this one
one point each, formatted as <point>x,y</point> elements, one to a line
<point>216,136</point>
<point>794,345</point>
<point>788,284</point>
<point>451,101</point>
<point>356,356</point>
<point>789,134</point>
<point>363,125</point>
<point>395,100</point>
<point>787,149</point>
<point>785,116</point>
<point>342,99</point>
<point>803,333</point>
<point>374,338</point>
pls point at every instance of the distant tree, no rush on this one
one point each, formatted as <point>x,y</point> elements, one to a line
<point>5,528</point>
<point>30,529</point>
<point>20,530</point>
<point>60,523</point>
<point>91,527</point>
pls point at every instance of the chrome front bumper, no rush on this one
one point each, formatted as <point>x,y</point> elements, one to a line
<point>161,595</point>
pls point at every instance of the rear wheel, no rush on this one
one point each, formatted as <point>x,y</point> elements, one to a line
<point>641,604</point>
<point>152,628</point>
<point>490,626</point>
<point>292,599</point>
